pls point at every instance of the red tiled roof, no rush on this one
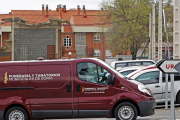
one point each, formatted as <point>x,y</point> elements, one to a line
<point>26,12</point>
<point>89,20</point>
<point>35,16</point>
<point>65,15</point>
<point>31,19</point>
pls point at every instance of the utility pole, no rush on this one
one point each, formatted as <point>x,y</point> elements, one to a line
<point>153,34</point>
<point>160,31</point>
<point>150,37</point>
<point>166,85</point>
<point>1,22</point>
<point>176,26</point>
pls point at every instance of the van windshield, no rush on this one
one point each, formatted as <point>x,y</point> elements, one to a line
<point>102,62</point>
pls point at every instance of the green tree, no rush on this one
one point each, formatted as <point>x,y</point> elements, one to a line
<point>169,17</point>
<point>127,24</point>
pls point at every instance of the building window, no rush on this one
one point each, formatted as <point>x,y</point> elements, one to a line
<point>67,42</point>
<point>96,37</point>
<point>108,53</point>
<point>97,53</point>
<point>80,36</point>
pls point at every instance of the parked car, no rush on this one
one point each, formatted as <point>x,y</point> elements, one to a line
<point>154,79</point>
<point>121,64</point>
<point>51,89</point>
<point>127,70</point>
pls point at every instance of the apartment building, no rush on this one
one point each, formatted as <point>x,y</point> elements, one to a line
<point>52,34</point>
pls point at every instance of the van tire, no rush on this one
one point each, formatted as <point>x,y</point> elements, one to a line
<point>178,98</point>
<point>125,111</point>
<point>16,112</point>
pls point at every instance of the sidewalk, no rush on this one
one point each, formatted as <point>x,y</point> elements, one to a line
<point>162,114</point>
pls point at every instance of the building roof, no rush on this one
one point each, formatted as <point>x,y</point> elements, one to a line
<point>36,16</point>
<point>65,15</point>
<point>31,19</point>
<point>88,20</point>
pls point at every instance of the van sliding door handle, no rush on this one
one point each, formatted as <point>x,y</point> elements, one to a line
<point>157,86</point>
<point>68,88</point>
<point>78,87</point>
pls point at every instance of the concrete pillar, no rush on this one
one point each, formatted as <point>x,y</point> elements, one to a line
<point>57,45</point>
<point>176,24</point>
<point>160,31</point>
<point>153,34</point>
<point>150,37</point>
<point>12,37</point>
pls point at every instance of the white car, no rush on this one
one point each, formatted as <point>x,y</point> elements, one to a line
<point>127,70</point>
<point>121,64</point>
<point>154,79</point>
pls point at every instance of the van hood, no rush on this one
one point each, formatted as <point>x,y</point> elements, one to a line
<point>135,82</point>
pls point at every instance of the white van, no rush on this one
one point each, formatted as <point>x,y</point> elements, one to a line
<point>121,64</point>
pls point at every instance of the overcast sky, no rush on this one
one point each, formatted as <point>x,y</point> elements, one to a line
<point>7,5</point>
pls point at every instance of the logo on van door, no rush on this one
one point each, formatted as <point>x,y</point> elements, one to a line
<point>5,78</point>
<point>82,89</point>
<point>21,77</point>
<point>94,90</point>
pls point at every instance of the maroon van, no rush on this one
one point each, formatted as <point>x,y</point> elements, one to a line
<point>69,88</point>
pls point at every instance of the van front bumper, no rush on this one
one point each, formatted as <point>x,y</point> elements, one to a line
<point>146,108</point>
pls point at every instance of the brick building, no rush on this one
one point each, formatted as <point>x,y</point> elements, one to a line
<point>28,34</point>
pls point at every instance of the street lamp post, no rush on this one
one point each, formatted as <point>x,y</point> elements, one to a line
<point>70,53</point>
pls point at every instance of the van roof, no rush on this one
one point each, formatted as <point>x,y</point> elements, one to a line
<point>47,60</point>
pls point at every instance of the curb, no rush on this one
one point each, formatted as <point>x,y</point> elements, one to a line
<point>168,109</point>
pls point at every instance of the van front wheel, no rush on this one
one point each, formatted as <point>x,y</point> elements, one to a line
<point>178,98</point>
<point>16,113</point>
<point>126,111</point>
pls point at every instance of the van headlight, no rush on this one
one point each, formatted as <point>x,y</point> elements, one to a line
<point>144,89</point>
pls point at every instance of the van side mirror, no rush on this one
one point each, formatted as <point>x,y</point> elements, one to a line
<point>111,79</point>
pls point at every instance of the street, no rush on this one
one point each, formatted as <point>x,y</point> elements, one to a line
<point>160,114</point>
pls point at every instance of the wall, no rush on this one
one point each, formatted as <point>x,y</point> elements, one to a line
<point>31,43</point>
<point>5,54</point>
<point>5,36</point>
<point>71,48</point>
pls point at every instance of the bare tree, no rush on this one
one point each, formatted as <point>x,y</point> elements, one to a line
<point>89,51</point>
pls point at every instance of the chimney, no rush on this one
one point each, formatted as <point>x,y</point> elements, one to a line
<point>78,9</point>
<point>60,11</point>
<point>102,8</point>
<point>57,9</point>
<point>47,14</point>
<point>83,8</point>
<point>64,8</point>
<point>85,14</point>
<point>42,9</point>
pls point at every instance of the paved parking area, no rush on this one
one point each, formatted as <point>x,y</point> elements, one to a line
<point>160,114</point>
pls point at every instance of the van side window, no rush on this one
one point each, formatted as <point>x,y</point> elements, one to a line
<point>92,73</point>
<point>149,77</point>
